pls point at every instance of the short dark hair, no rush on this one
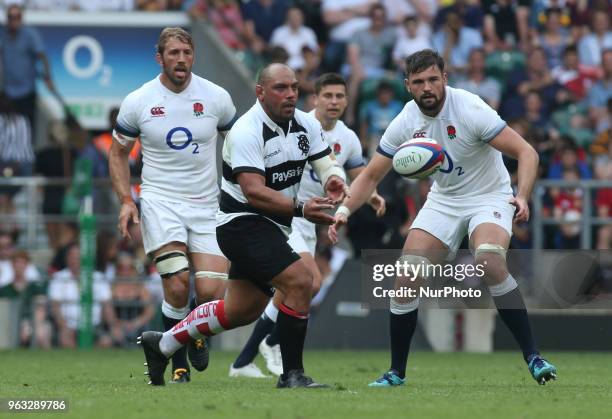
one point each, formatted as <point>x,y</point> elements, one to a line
<point>328,79</point>
<point>377,6</point>
<point>422,60</point>
<point>383,85</point>
<point>410,18</point>
<point>570,49</point>
<point>553,10</point>
<point>477,50</point>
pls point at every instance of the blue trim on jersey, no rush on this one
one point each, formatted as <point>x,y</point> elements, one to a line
<point>495,133</point>
<point>383,152</point>
<point>125,131</point>
<point>229,125</point>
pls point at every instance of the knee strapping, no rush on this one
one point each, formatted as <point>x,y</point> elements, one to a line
<point>171,263</point>
<point>491,248</point>
<point>418,265</point>
<point>211,274</point>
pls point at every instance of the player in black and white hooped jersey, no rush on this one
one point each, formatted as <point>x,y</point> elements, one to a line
<point>264,157</point>
<point>177,117</point>
<point>330,103</point>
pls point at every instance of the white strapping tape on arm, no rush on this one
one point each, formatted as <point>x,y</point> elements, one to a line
<point>325,167</point>
<point>343,209</point>
<point>124,140</point>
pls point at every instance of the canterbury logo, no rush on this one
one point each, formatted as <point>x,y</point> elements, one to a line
<point>419,134</point>
<point>158,111</point>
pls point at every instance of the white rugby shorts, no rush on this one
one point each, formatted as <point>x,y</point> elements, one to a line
<point>163,222</point>
<point>303,237</point>
<point>449,219</point>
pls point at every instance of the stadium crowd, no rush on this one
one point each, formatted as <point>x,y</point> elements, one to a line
<point>544,65</point>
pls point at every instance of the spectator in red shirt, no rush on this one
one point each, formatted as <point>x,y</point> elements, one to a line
<point>225,16</point>
<point>575,77</point>
<point>568,211</point>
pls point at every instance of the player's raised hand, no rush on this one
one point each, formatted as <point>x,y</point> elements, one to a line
<point>127,212</point>
<point>332,231</point>
<point>336,189</point>
<point>378,203</point>
<point>314,210</point>
<point>521,215</point>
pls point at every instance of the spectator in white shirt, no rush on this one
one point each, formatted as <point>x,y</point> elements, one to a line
<point>64,294</point>
<point>592,45</point>
<point>293,36</point>
<point>411,42</point>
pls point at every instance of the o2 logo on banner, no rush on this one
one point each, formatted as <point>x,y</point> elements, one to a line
<point>96,63</point>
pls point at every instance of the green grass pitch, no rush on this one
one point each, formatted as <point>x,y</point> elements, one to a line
<point>111,384</point>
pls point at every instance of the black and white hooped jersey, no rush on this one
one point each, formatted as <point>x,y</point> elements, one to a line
<point>178,134</point>
<point>257,144</point>
<point>464,127</point>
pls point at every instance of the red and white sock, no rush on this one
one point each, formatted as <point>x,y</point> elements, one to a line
<point>207,319</point>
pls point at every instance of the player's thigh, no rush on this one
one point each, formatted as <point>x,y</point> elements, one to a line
<point>161,224</point>
<point>244,302</point>
<point>295,280</point>
<point>313,269</point>
<point>489,233</point>
<point>490,226</point>
<point>421,247</point>
<point>257,249</point>
<point>491,221</point>
<point>176,287</point>
<point>423,243</point>
<point>436,229</point>
<point>211,276</point>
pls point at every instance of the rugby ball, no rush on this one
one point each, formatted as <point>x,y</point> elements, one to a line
<point>418,158</point>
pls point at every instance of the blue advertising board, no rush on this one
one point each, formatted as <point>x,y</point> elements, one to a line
<point>96,60</point>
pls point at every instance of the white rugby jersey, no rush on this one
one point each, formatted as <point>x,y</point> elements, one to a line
<point>178,135</point>
<point>346,147</point>
<point>257,144</point>
<point>463,127</point>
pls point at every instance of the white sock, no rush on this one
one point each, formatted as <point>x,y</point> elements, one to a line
<point>503,287</point>
<point>271,311</point>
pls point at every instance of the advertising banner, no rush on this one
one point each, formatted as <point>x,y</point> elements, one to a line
<point>96,60</point>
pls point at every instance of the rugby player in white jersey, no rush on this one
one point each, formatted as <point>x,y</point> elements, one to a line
<point>263,160</point>
<point>330,103</point>
<point>177,117</point>
<point>471,195</point>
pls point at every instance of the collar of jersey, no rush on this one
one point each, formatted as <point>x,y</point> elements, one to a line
<point>338,123</point>
<point>269,122</point>
<point>170,92</point>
